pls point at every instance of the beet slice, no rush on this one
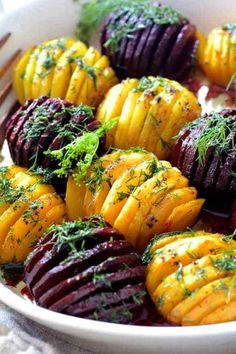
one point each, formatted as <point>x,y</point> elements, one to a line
<point>176,56</point>
<point>139,68</point>
<point>213,172</point>
<point>129,56</point>
<point>224,177</point>
<point>93,256</point>
<point>164,48</point>
<point>118,56</point>
<point>95,302</point>
<point>132,314</point>
<point>102,234</point>
<point>71,284</point>
<point>114,280</point>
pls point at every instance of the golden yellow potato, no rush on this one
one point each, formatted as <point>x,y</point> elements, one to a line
<point>216,54</point>
<point>26,206</point>
<point>151,112</point>
<point>65,68</point>
<point>191,277</point>
<point>136,193</point>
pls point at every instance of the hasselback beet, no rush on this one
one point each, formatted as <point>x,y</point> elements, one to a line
<point>205,153</point>
<point>149,39</point>
<point>87,269</point>
<point>46,124</point>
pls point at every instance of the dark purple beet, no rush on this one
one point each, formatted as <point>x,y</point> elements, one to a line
<point>175,61</point>
<point>104,275</point>
<point>148,47</point>
<point>114,280</point>
<point>164,48</point>
<point>210,164</point>
<point>139,54</point>
<point>70,284</point>
<point>43,124</point>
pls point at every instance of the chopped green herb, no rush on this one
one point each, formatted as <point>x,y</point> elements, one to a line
<point>94,12</point>
<point>218,132</point>
<point>80,153</point>
<point>231,27</point>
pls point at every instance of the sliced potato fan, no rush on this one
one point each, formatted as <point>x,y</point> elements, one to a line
<point>28,207</point>
<point>191,277</point>
<point>216,54</point>
<point>64,68</point>
<point>136,193</point>
<point>152,111</point>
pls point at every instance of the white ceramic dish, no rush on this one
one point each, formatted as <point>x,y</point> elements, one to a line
<point>46,19</point>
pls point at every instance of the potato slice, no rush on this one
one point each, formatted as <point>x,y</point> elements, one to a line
<point>123,187</point>
<point>112,106</point>
<point>125,119</point>
<point>160,211</point>
<point>19,73</point>
<point>184,215</point>
<point>114,171</point>
<point>15,211</point>
<point>20,230</point>
<point>182,283</point>
<point>65,67</point>
<point>79,75</point>
<point>75,194</point>
<point>54,216</point>
<point>225,313</point>
<point>222,293</point>
<point>166,260</point>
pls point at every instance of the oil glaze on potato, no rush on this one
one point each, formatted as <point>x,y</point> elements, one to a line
<point>137,194</point>
<point>190,277</point>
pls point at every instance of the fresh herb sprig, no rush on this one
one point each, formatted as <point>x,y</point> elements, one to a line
<point>80,153</point>
<point>218,132</point>
<point>231,27</point>
<point>74,235</point>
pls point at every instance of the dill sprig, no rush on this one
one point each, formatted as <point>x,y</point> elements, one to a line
<point>227,263</point>
<point>231,27</point>
<point>218,132</point>
<point>74,234</point>
<point>80,153</point>
<point>95,11</point>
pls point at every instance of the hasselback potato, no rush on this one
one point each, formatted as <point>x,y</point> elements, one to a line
<point>151,110</point>
<point>205,153</point>
<point>137,194</point>
<point>217,55</point>
<point>191,277</point>
<point>46,124</point>
<point>87,269</point>
<point>28,207</point>
<point>149,39</point>
<point>65,68</point>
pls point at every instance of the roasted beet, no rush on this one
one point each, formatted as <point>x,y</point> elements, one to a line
<point>143,39</point>
<point>87,269</point>
<point>206,154</point>
<point>45,124</point>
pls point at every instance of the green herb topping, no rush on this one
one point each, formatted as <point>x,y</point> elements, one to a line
<point>231,27</point>
<point>80,153</point>
<point>218,132</point>
<point>74,235</point>
<point>95,11</point>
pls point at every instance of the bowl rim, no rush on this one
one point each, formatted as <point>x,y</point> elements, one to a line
<point>42,315</point>
<point>56,320</point>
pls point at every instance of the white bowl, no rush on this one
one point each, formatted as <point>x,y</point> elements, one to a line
<point>43,19</point>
